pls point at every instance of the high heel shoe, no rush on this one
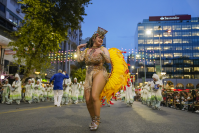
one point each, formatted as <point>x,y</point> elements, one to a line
<point>95,123</point>
<point>91,121</point>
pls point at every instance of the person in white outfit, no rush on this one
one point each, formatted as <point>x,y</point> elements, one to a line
<point>15,93</point>
<point>75,91</point>
<point>33,85</point>
<point>28,92</point>
<point>129,95</point>
<point>66,88</point>
<point>133,92</point>
<point>157,83</point>
<point>50,93</point>
<point>58,86</point>
<point>37,88</point>
<point>81,92</point>
<point>45,92</point>
<point>6,91</point>
<point>148,94</point>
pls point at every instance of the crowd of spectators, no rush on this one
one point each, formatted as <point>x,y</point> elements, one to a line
<point>182,99</point>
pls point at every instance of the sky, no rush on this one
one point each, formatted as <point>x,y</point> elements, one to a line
<point>120,17</point>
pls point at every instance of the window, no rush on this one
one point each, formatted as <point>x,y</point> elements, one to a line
<point>13,19</point>
<point>158,55</point>
<point>179,69</point>
<point>178,48</point>
<point>168,55</point>
<point>149,41</point>
<point>177,33</point>
<point>187,76</point>
<point>177,62</point>
<point>167,27</point>
<point>167,41</point>
<point>157,35</point>
<point>196,69</point>
<point>140,27</point>
<point>187,47</point>
<point>176,27</point>
<point>149,28</point>
<point>186,41</point>
<point>140,34</point>
<point>186,34</point>
<point>177,54</point>
<point>156,41</point>
<point>156,48</point>
<point>196,62</point>
<point>156,28</point>
<point>177,40</point>
<point>178,76</point>
<point>195,54</point>
<point>195,26</point>
<point>196,76</point>
<point>2,7</point>
<point>168,62</point>
<point>195,33</point>
<point>14,3</point>
<point>166,34</point>
<point>140,41</point>
<point>140,48</point>
<point>189,62</point>
<point>167,48</point>
<point>168,69</point>
<point>195,47</point>
<point>149,48</point>
<point>150,69</point>
<point>188,69</point>
<point>195,40</point>
<point>187,54</point>
<point>186,27</point>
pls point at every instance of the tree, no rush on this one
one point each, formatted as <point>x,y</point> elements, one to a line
<point>44,27</point>
<point>80,74</point>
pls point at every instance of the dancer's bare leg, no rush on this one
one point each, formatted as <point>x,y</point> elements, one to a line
<point>89,102</point>
<point>97,87</point>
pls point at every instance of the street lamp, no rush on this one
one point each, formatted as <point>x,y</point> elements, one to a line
<point>144,67</point>
<point>148,32</point>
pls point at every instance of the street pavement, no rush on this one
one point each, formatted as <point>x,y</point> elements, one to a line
<point>119,118</point>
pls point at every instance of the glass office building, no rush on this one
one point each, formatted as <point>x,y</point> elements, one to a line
<point>178,37</point>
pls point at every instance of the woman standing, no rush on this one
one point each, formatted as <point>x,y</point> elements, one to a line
<point>96,75</point>
<point>28,92</point>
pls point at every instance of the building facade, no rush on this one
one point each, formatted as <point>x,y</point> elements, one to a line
<point>173,38</point>
<point>65,58</point>
<point>11,16</point>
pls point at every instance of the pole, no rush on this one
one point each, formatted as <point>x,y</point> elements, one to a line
<point>137,77</point>
<point>160,55</point>
<point>144,69</point>
<point>69,57</point>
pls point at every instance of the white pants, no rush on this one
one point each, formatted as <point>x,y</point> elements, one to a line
<point>58,97</point>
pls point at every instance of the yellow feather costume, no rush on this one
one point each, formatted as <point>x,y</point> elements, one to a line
<point>119,74</point>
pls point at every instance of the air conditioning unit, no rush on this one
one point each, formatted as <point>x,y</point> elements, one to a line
<point>18,10</point>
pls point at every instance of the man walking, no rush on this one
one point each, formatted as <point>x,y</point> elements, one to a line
<point>58,86</point>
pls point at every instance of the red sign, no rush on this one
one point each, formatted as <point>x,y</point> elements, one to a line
<point>9,52</point>
<point>169,18</point>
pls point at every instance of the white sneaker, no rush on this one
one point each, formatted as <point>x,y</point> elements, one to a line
<point>59,106</point>
<point>183,109</point>
<point>197,111</point>
<point>66,103</point>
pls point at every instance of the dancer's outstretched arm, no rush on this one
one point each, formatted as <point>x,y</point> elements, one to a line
<point>81,56</point>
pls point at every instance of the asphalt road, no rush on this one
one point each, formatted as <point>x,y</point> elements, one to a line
<point>119,118</point>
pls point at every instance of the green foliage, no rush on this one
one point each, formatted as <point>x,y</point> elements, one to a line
<point>80,74</point>
<point>44,27</point>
